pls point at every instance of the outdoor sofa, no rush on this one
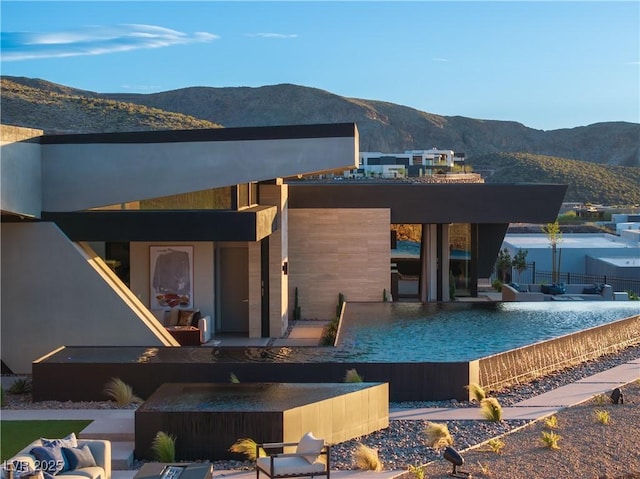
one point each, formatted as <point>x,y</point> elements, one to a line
<point>565,292</point>
<point>77,463</point>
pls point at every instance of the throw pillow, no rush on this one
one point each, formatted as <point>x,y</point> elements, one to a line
<point>515,286</point>
<point>196,317</point>
<point>29,473</point>
<point>68,441</point>
<point>557,289</point>
<point>545,289</point>
<point>79,457</point>
<point>50,459</point>
<point>589,290</point>
<point>185,317</point>
<point>309,443</point>
<point>174,314</point>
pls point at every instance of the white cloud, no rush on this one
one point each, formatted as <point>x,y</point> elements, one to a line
<point>439,59</point>
<point>93,40</point>
<point>272,35</point>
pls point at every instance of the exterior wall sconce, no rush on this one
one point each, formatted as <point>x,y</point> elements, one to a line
<point>285,267</point>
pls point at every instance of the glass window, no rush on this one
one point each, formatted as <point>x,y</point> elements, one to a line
<point>213,199</point>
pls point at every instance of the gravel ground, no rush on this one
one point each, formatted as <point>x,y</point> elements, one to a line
<point>588,449</point>
<point>402,444</point>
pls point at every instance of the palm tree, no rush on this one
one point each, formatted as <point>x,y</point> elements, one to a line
<point>554,235</point>
<point>519,261</point>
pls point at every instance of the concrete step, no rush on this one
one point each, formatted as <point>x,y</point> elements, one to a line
<point>123,474</point>
<point>114,428</point>
<point>122,455</point>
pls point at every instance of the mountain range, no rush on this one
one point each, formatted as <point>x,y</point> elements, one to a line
<point>612,147</point>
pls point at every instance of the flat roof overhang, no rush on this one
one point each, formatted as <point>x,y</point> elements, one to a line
<point>429,203</point>
<point>80,172</point>
<point>251,224</point>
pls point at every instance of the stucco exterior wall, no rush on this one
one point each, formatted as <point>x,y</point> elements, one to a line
<point>52,296</point>
<point>334,251</point>
<point>20,176</point>
<point>203,273</point>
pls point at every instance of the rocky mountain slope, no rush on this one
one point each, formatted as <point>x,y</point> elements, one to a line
<point>588,182</point>
<point>599,162</point>
<point>64,110</point>
<point>383,126</point>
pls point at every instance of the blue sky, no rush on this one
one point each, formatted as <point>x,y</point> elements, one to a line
<point>545,64</point>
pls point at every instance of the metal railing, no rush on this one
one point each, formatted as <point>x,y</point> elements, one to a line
<point>532,276</point>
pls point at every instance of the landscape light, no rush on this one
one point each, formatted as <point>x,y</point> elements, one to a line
<point>454,457</point>
<point>616,396</point>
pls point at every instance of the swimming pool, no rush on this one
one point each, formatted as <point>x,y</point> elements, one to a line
<point>414,332</point>
<point>424,352</point>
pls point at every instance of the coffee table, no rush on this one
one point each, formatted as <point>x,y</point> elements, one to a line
<point>177,470</point>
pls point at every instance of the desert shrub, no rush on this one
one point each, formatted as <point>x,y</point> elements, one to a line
<point>352,376</point>
<point>328,337</point>
<point>21,386</point>
<point>233,378</point>
<point>551,422</point>
<point>602,416</point>
<point>164,447</point>
<point>484,469</point>
<point>366,458</point>
<point>247,447</point>
<point>495,445</point>
<point>120,392</point>
<point>497,285</point>
<point>416,471</point>
<point>438,435</point>
<point>491,409</point>
<point>600,399</point>
<point>550,439</point>
<point>476,391</point>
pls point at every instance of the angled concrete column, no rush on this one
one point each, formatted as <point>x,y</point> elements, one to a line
<point>277,195</point>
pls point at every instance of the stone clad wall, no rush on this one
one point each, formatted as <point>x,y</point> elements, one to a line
<point>334,251</point>
<point>523,364</point>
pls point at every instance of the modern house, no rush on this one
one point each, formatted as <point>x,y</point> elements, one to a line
<point>590,254</point>
<point>208,218</point>
<point>411,163</point>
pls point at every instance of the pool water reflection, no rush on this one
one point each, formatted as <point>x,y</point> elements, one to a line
<point>450,332</point>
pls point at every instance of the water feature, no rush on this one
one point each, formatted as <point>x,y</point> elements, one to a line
<point>442,345</point>
<point>463,332</point>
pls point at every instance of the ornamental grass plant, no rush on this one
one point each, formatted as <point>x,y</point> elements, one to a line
<point>164,447</point>
<point>120,392</point>
<point>437,435</point>
<point>366,458</point>
<point>491,409</point>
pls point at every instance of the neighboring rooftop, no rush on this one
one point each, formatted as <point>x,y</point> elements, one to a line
<point>579,241</point>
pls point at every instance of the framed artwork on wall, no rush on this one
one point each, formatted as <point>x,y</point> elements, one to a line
<point>171,276</point>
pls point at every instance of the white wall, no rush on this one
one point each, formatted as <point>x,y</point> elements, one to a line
<point>20,176</point>
<point>52,296</point>
<point>573,249</point>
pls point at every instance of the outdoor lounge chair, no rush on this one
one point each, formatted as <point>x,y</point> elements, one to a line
<point>305,462</point>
